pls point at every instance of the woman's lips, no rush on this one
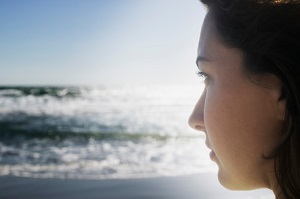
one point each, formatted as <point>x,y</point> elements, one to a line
<point>212,154</point>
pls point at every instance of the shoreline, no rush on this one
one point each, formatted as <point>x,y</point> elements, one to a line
<point>197,186</point>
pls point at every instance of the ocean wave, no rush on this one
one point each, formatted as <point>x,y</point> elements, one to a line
<point>98,132</point>
<point>134,109</point>
<point>39,91</point>
<point>8,135</point>
<point>104,159</point>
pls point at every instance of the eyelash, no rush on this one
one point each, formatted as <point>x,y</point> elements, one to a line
<point>202,75</point>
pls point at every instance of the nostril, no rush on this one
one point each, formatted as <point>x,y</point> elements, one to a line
<point>196,122</point>
<point>200,128</point>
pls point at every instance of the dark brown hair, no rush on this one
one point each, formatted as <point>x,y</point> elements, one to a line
<point>268,34</point>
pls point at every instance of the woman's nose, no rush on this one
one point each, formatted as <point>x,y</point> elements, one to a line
<point>196,120</point>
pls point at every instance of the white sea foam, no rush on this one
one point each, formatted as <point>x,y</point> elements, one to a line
<point>153,112</point>
<point>106,160</point>
<point>163,110</point>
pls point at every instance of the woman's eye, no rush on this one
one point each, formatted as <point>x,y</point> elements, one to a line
<point>202,75</point>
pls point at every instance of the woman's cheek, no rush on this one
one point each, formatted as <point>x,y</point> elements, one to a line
<point>212,112</point>
<point>219,107</point>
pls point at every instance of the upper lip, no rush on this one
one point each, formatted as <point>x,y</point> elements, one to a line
<point>207,144</point>
<point>206,141</point>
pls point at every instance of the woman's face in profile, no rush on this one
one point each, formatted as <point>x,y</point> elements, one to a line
<point>241,119</point>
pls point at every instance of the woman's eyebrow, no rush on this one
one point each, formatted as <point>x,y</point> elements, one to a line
<point>201,59</point>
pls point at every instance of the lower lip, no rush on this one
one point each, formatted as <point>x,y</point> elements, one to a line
<point>212,155</point>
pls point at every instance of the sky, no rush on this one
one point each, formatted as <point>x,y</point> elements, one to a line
<point>96,42</point>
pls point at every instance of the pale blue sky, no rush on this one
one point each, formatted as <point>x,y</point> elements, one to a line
<point>94,42</point>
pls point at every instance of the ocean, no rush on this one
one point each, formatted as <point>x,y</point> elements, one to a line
<point>101,132</point>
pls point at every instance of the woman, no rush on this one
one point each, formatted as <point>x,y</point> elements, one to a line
<point>249,56</point>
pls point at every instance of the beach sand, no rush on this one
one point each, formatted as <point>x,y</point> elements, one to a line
<point>200,186</point>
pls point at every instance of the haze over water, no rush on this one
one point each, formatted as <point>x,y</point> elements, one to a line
<point>100,132</point>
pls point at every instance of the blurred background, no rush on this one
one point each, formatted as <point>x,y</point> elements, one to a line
<point>99,89</point>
